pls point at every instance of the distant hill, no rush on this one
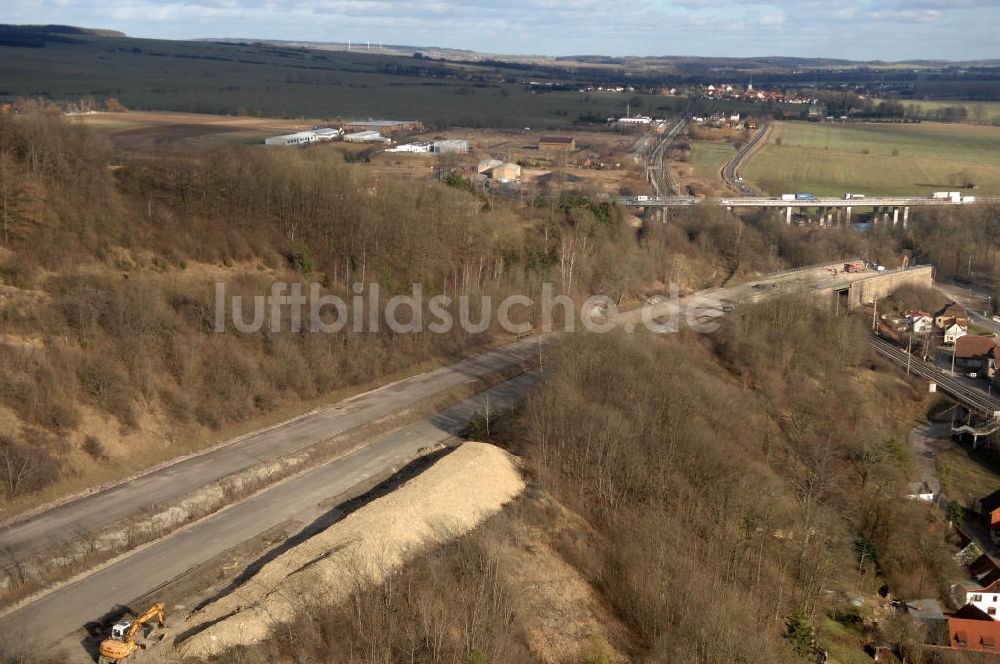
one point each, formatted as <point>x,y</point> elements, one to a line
<point>439,86</point>
<point>36,36</point>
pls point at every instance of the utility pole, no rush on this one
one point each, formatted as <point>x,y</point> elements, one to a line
<point>909,353</point>
<point>875,315</point>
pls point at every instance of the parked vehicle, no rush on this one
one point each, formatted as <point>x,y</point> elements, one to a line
<point>856,266</point>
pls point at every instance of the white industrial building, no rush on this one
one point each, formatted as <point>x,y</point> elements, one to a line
<point>451,146</point>
<point>298,138</point>
<point>634,121</point>
<point>419,147</point>
<point>304,137</point>
<point>369,136</point>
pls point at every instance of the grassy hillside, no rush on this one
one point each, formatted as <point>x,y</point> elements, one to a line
<point>274,81</point>
<point>904,159</point>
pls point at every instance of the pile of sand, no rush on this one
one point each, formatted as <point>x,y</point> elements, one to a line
<point>449,499</point>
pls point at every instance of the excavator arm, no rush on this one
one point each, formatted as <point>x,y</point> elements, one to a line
<point>117,649</point>
<point>155,611</point>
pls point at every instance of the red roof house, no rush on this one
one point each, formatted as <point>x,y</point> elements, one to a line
<point>970,628</point>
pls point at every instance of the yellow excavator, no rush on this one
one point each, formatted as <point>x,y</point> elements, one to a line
<point>122,641</point>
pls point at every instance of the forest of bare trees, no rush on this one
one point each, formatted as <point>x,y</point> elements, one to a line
<point>740,489</point>
<point>742,485</point>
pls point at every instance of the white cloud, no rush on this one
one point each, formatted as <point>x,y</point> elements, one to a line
<point>851,28</point>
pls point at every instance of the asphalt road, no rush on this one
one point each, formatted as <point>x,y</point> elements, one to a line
<point>730,172</point>
<point>131,498</point>
<point>55,615</point>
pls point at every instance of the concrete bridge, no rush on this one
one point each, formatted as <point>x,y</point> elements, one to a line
<point>849,291</point>
<point>831,210</point>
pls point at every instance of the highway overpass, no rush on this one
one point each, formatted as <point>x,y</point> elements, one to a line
<point>831,210</point>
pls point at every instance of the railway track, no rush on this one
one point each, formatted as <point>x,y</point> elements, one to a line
<point>969,395</point>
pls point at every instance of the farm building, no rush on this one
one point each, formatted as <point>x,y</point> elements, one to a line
<point>418,147</point>
<point>298,138</point>
<point>304,137</point>
<point>556,144</point>
<point>451,147</point>
<point>506,173</point>
<point>487,165</point>
<point>369,136</point>
<point>383,126</point>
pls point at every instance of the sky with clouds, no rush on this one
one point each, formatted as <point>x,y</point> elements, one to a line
<point>854,29</point>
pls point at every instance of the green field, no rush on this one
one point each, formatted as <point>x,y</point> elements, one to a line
<point>990,109</point>
<point>884,159</point>
<point>216,78</point>
<point>707,158</point>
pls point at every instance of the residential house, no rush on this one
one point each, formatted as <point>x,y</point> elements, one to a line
<point>971,628</point>
<point>983,589</point>
<point>953,332</point>
<point>987,602</point>
<point>920,321</point>
<point>897,323</point>
<point>975,354</point>
<point>989,508</point>
<point>952,312</point>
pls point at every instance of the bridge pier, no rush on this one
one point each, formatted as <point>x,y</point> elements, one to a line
<point>788,215</point>
<point>906,216</point>
<point>895,216</point>
<point>847,214</point>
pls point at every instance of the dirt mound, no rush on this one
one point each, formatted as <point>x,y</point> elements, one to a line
<point>447,500</point>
